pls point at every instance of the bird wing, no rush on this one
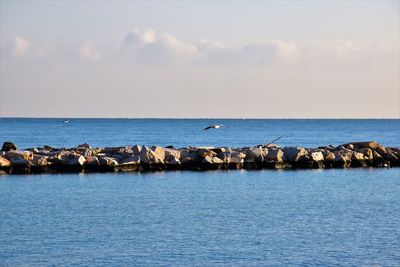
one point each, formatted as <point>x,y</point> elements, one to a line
<point>209,127</point>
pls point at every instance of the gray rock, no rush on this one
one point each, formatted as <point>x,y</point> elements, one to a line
<point>293,154</point>
<point>147,156</point>
<point>172,156</point>
<point>188,155</point>
<point>256,153</point>
<point>275,155</point>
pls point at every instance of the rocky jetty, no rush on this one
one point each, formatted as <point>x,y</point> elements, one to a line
<point>84,158</point>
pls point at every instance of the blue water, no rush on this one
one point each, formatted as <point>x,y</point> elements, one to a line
<point>218,218</point>
<point>180,133</point>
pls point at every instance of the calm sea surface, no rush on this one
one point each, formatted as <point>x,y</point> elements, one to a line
<point>218,218</point>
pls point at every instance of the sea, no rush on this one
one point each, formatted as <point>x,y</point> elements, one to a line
<point>332,217</point>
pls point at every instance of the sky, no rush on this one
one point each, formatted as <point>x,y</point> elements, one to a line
<point>200,59</point>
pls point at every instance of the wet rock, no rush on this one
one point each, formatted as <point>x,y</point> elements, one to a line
<point>9,146</point>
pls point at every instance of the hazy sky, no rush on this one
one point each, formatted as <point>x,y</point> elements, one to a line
<point>262,59</point>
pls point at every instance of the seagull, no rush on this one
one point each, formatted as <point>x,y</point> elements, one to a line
<point>215,126</point>
<point>65,121</point>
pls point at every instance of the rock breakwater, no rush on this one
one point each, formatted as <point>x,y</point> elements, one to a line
<point>85,158</point>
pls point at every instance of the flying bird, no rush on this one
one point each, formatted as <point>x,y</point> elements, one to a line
<point>215,126</point>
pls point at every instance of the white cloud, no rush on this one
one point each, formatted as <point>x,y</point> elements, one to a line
<point>147,47</point>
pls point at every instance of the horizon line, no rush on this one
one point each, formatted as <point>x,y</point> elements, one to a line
<point>209,118</point>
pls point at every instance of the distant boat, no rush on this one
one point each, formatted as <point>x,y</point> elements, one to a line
<point>65,121</point>
<point>215,126</point>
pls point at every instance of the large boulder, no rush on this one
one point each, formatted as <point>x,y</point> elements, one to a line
<point>148,156</point>
<point>317,157</point>
<point>328,155</point>
<point>159,152</point>
<point>256,153</point>
<point>76,160</point>
<point>92,161</point>
<point>204,152</point>
<point>342,157</point>
<point>172,156</point>
<point>367,153</point>
<point>358,160</point>
<point>275,155</point>
<point>210,162</point>
<point>8,146</point>
<point>293,154</point>
<point>39,160</point>
<point>189,156</point>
